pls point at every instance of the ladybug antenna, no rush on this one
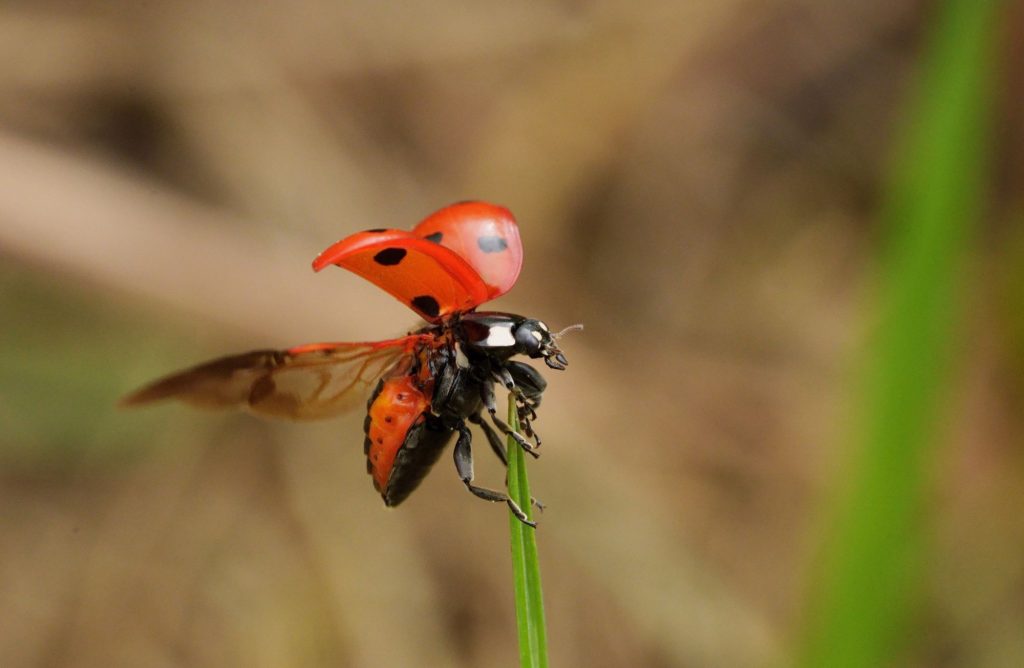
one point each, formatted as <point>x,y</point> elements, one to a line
<point>578,327</point>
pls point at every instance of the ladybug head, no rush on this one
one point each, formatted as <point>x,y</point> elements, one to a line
<point>533,338</point>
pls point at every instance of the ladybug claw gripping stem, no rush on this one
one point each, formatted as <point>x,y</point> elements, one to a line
<point>528,447</point>
<point>487,396</point>
<point>520,515</point>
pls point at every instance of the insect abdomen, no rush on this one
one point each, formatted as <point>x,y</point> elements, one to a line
<point>402,439</point>
<point>420,451</point>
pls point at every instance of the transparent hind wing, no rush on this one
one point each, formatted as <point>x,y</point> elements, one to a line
<point>307,382</point>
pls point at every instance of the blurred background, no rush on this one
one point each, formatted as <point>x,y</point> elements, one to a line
<point>697,182</point>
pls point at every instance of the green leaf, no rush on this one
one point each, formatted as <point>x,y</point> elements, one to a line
<point>872,571</point>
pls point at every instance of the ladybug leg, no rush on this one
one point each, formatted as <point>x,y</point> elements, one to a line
<point>498,447</point>
<point>464,465</point>
<point>492,437</point>
<point>487,396</point>
<point>527,394</point>
<point>528,429</point>
<point>503,375</point>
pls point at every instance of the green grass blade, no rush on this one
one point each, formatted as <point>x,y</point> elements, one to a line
<point>862,604</point>
<point>533,642</point>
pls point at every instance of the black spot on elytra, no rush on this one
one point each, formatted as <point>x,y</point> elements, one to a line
<point>435,237</point>
<point>492,244</point>
<point>377,230</point>
<point>426,304</point>
<point>389,257</point>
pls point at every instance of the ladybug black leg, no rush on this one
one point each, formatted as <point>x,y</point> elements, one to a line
<point>530,383</point>
<point>499,448</point>
<point>492,438</point>
<point>487,396</point>
<point>526,400</point>
<point>528,429</point>
<point>526,417</point>
<point>464,465</point>
<point>505,377</point>
<point>523,381</point>
<point>527,410</point>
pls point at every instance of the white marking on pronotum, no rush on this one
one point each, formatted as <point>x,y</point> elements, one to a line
<point>499,336</point>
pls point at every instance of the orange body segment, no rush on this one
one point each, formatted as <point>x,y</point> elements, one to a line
<point>396,408</point>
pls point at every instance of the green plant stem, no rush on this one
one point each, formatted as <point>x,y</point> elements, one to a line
<point>533,643</point>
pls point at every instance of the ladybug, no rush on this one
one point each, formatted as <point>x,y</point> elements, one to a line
<point>426,385</point>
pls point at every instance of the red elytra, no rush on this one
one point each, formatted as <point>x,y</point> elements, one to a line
<point>426,385</point>
<point>454,260</point>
